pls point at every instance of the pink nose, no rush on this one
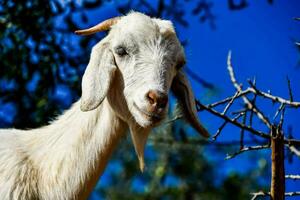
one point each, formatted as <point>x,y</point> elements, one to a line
<point>157,99</point>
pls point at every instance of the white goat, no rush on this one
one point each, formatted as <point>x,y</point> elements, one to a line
<point>125,86</point>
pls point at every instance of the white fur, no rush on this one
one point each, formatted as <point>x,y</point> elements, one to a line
<point>65,159</point>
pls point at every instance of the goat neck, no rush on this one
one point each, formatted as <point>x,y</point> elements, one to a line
<point>72,152</point>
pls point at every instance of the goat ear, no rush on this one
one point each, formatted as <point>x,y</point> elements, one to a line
<point>165,26</point>
<point>97,77</point>
<point>182,90</point>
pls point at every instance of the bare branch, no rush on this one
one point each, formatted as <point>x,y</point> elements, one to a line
<point>245,149</point>
<point>243,132</point>
<point>259,194</point>
<point>275,137</point>
<point>230,102</point>
<point>253,101</point>
<point>281,118</point>
<point>278,111</point>
<point>273,98</point>
<point>251,106</point>
<point>293,177</point>
<point>292,142</point>
<point>236,123</point>
<point>229,99</point>
<point>291,194</point>
<point>215,136</point>
<point>294,150</point>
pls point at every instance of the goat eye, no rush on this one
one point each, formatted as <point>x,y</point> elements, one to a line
<point>121,51</point>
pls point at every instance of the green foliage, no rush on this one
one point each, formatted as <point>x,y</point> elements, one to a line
<point>37,56</point>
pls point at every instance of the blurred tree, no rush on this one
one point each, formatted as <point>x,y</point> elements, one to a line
<point>176,168</point>
<point>41,67</point>
<point>36,57</point>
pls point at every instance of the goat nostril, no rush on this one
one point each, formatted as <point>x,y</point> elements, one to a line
<point>157,99</point>
<point>152,97</point>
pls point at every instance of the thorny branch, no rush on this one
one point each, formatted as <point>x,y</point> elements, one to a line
<point>274,131</point>
<point>250,107</point>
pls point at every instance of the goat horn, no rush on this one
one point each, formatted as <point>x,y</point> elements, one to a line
<point>102,26</point>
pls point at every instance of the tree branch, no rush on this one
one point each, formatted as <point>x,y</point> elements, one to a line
<point>293,177</point>
<point>250,106</point>
<point>245,149</point>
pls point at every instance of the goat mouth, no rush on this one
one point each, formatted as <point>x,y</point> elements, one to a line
<point>150,116</point>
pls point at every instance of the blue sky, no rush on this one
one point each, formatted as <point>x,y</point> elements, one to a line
<point>261,39</point>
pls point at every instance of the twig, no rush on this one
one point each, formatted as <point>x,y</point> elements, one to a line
<point>248,128</point>
<point>229,99</point>
<point>291,194</point>
<point>293,177</point>
<point>278,111</point>
<point>294,150</point>
<point>251,106</point>
<point>253,101</point>
<point>259,194</point>
<point>230,103</point>
<point>215,136</point>
<point>254,90</point>
<point>281,118</point>
<point>243,126</point>
<point>243,131</point>
<point>292,142</point>
<point>245,149</point>
<point>239,111</point>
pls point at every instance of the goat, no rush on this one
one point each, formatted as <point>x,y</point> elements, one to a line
<point>125,87</point>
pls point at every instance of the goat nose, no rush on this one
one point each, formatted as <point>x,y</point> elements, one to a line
<point>157,99</point>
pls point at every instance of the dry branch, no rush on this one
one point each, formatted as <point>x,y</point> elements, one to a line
<point>273,136</point>
<point>294,150</point>
<point>293,177</point>
<point>245,149</point>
